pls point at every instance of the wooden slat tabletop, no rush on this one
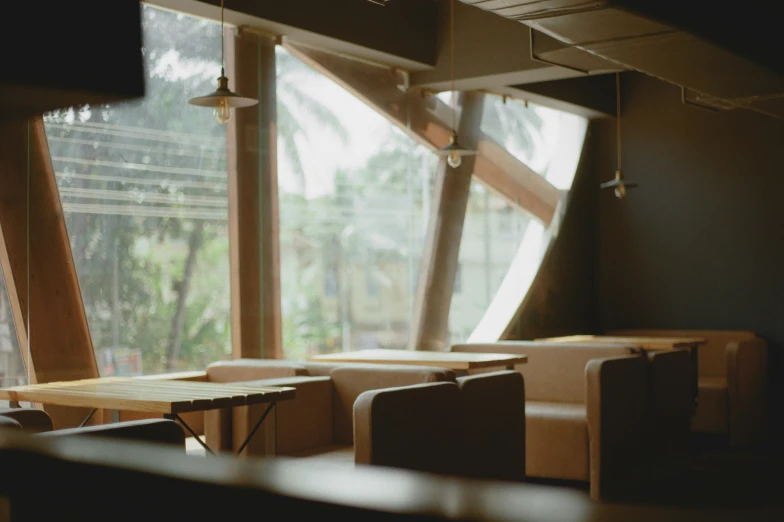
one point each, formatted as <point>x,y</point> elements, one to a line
<point>143,395</point>
<point>650,343</point>
<point>451,360</point>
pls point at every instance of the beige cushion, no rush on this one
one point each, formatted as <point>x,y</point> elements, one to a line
<point>349,381</point>
<point>711,413</point>
<point>252,369</point>
<point>556,442</point>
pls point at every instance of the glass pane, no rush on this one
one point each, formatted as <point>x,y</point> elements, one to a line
<point>492,234</point>
<point>144,190</point>
<point>547,140</point>
<point>354,202</point>
<point>12,368</point>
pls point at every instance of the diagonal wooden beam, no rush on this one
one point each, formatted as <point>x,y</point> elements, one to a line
<point>440,256</point>
<point>377,86</point>
<point>424,118</point>
<point>513,180</point>
<point>38,266</point>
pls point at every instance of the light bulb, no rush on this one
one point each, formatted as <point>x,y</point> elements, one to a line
<point>454,160</point>
<point>222,111</point>
<point>620,191</point>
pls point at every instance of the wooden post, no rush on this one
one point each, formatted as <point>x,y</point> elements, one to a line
<point>253,200</point>
<point>35,254</point>
<point>430,326</point>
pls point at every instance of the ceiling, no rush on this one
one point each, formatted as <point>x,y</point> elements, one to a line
<point>724,56</point>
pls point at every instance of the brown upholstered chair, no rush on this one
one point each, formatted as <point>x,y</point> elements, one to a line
<point>493,427</point>
<point>585,414</point>
<point>733,383</point>
<point>38,423</point>
<point>417,427</point>
<point>473,429</point>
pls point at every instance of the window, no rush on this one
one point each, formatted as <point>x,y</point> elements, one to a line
<point>371,285</point>
<point>501,261</point>
<point>458,281</point>
<point>12,368</point>
<point>331,282</point>
<point>354,191</point>
<point>144,191</point>
<point>485,257</point>
<point>547,140</point>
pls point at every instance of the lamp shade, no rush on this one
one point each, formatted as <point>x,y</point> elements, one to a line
<point>217,97</point>
<point>454,147</point>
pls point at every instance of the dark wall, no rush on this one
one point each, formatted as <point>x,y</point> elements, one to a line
<point>700,243</point>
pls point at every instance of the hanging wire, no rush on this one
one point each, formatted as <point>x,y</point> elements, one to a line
<point>27,275</point>
<point>223,73</point>
<point>452,63</point>
<point>618,116</point>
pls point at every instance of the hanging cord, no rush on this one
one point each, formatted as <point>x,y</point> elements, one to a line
<point>27,274</point>
<point>223,73</point>
<point>452,64</point>
<point>618,116</point>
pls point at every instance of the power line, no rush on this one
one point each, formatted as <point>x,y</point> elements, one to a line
<point>143,181</point>
<point>151,197</point>
<point>145,168</point>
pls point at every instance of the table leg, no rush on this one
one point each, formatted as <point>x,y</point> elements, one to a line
<point>87,419</point>
<point>256,427</point>
<point>175,417</point>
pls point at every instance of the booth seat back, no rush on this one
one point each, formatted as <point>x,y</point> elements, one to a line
<point>493,425</point>
<point>348,382</point>
<point>37,422</point>
<point>555,372</point>
<point>712,358</point>
<point>240,370</point>
<point>416,427</point>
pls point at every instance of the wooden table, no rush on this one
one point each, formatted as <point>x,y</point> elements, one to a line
<point>647,343</point>
<point>457,361</point>
<point>169,398</point>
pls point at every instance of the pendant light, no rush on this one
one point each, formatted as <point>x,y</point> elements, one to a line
<point>618,183</point>
<point>454,152</point>
<point>223,99</point>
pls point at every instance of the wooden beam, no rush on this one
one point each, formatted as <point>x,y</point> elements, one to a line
<point>377,86</point>
<point>38,266</point>
<point>430,328</point>
<point>423,117</point>
<point>400,33</point>
<point>515,182</point>
<point>271,333</point>
<point>253,201</point>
